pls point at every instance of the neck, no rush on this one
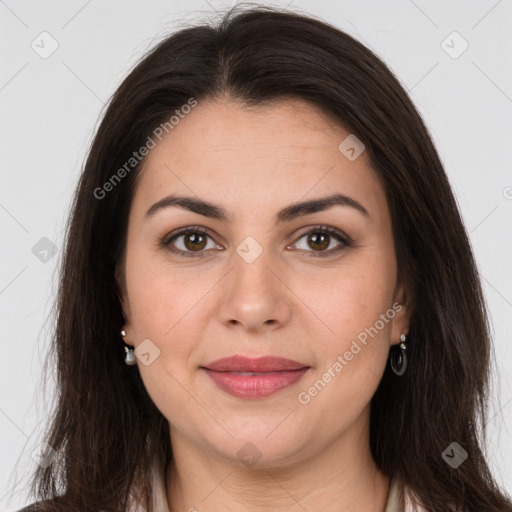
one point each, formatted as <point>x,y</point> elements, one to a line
<point>341,477</point>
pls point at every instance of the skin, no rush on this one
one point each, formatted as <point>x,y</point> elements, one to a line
<point>254,162</point>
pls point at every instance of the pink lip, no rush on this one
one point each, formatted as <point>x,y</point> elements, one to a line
<point>275,373</point>
<point>240,363</point>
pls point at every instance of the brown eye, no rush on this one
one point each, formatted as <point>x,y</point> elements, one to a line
<point>188,241</point>
<point>194,241</point>
<point>318,239</point>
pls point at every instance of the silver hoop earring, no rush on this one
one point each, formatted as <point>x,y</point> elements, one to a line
<point>398,357</point>
<point>129,358</point>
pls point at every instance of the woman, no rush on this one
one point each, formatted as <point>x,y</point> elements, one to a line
<point>264,221</point>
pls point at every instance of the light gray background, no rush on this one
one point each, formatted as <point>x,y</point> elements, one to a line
<point>50,108</point>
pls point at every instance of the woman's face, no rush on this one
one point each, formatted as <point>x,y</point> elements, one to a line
<point>258,284</point>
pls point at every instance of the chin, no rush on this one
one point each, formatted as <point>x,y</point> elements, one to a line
<point>253,449</point>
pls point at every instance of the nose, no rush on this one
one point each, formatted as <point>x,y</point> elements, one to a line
<point>254,295</point>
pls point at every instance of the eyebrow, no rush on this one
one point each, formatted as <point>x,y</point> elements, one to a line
<point>287,214</point>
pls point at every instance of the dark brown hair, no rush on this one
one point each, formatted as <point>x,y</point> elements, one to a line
<point>106,429</point>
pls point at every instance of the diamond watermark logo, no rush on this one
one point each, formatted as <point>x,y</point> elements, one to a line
<point>249,454</point>
<point>44,250</point>
<point>351,147</point>
<point>146,352</point>
<point>249,249</point>
<point>44,45</point>
<point>454,45</point>
<point>455,455</point>
<point>43,455</point>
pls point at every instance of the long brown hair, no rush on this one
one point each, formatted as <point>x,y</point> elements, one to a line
<point>106,429</point>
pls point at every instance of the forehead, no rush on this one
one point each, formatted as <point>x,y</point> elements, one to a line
<point>281,151</point>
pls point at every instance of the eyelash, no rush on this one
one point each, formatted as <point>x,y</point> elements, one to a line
<point>338,235</point>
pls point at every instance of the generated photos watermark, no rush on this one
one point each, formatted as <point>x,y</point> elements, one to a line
<point>334,369</point>
<point>138,156</point>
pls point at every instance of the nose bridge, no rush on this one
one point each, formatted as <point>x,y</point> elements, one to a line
<point>255,295</point>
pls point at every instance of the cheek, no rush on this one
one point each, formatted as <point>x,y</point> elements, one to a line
<point>352,353</point>
<point>349,300</point>
<point>159,298</point>
<point>353,357</point>
<point>168,311</point>
<point>168,307</point>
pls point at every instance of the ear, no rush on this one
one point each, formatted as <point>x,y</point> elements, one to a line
<point>403,307</point>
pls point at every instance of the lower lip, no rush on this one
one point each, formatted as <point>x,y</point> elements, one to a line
<point>255,386</point>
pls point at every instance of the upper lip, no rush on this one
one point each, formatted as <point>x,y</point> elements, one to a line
<point>239,363</point>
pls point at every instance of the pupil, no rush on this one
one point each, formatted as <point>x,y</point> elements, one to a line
<point>322,244</point>
<point>194,239</point>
